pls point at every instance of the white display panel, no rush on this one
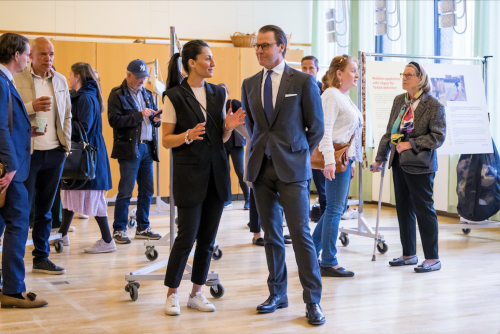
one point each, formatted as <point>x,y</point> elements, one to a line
<point>459,88</point>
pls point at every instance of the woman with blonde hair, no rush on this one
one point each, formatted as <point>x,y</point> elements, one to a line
<point>416,128</point>
<point>86,108</point>
<point>343,122</point>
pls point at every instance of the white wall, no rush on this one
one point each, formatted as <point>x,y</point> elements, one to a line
<point>192,19</point>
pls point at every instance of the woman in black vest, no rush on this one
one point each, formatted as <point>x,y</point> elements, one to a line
<point>195,127</point>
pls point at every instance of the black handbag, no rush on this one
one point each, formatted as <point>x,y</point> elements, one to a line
<point>422,159</point>
<point>80,164</point>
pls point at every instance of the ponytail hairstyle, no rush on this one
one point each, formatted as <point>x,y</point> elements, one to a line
<point>87,73</point>
<point>190,50</point>
<point>339,63</point>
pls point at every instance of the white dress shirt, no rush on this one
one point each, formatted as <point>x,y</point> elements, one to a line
<point>44,87</point>
<point>275,79</point>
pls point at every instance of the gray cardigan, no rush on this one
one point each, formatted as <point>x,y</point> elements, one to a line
<point>429,131</point>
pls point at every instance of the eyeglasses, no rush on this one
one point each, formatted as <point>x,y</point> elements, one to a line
<point>263,46</point>
<point>407,75</point>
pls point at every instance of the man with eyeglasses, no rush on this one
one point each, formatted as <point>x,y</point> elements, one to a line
<point>280,103</point>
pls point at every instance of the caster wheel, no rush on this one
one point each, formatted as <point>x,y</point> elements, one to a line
<point>217,291</point>
<point>59,246</point>
<point>153,256</point>
<point>217,254</point>
<point>382,247</point>
<point>134,292</point>
<point>466,231</point>
<point>344,239</point>
<point>131,223</point>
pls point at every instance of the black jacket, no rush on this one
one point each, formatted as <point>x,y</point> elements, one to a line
<point>194,162</point>
<point>236,140</point>
<point>125,118</point>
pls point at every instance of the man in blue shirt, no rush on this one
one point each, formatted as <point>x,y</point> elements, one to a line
<point>309,64</point>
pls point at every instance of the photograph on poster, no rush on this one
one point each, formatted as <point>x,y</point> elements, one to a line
<point>449,88</point>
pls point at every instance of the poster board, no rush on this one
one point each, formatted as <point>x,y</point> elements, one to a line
<point>459,88</point>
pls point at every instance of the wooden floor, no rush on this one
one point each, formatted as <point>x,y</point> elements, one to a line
<point>464,297</point>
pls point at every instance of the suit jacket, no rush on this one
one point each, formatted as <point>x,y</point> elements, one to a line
<point>429,131</point>
<point>291,145</point>
<point>236,140</point>
<point>26,88</point>
<point>193,163</point>
<point>15,151</point>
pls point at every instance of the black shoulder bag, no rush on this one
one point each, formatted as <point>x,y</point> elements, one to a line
<point>80,164</point>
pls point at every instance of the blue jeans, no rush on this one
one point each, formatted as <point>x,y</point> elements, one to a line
<point>43,181</point>
<point>140,169</point>
<point>327,230</point>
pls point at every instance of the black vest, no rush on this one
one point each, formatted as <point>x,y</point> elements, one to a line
<point>193,162</point>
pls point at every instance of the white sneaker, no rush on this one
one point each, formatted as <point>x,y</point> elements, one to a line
<point>65,240</point>
<point>101,246</point>
<point>200,303</point>
<point>72,229</point>
<point>352,213</point>
<point>172,305</point>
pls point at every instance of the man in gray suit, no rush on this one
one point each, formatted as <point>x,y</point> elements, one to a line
<point>280,104</point>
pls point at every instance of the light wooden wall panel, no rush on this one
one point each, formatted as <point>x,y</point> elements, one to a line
<point>67,53</point>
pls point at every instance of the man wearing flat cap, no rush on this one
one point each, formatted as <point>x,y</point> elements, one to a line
<point>131,114</point>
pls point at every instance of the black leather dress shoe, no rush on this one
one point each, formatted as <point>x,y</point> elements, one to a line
<point>314,314</point>
<point>272,303</point>
<point>288,241</point>
<point>332,272</point>
<point>287,236</point>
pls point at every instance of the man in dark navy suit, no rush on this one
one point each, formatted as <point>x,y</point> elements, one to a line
<point>15,155</point>
<point>310,64</point>
<point>280,104</point>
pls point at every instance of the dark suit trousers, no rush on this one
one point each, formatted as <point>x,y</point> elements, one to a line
<point>16,218</point>
<point>237,155</point>
<point>414,198</point>
<point>269,193</point>
<point>199,222</point>
<point>254,214</point>
<point>42,184</point>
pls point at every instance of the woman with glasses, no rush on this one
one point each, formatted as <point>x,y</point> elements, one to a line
<point>195,127</point>
<point>416,128</point>
<point>343,122</point>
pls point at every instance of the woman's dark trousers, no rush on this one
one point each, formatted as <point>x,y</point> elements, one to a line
<point>414,198</point>
<point>196,223</point>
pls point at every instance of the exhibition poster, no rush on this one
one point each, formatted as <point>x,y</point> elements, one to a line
<point>459,88</point>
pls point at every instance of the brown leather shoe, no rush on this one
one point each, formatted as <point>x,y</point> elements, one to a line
<point>30,301</point>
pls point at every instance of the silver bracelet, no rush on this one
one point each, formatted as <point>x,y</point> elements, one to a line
<point>186,139</point>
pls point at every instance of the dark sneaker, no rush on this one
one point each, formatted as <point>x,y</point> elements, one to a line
<point>47,267</point>
<point>228,205</point>
<point>121,237</point>
<point>147,234</point>
<point>246,206</point>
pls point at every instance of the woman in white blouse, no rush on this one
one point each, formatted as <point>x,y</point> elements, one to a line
<point>342,120</point>
<point>195,128</point>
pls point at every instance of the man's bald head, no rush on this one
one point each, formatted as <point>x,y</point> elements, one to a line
<point>42,56</point>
